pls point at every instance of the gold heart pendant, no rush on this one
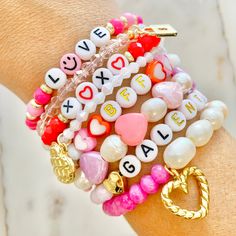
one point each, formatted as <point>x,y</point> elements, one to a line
<point>63,166</point>
<point>180,181</point>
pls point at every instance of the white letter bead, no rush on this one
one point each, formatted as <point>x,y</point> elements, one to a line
<point>141,84</point>
<point>85,49</point>
<point>100,36</point>
<point>102,76</point>
<point>147,151</point>
<point>126,97</point>
<point>198,98</point>
<point>200,132</point>
<point>154,109</point>
<point>176,120</point>
<point>179,153</point>
<point>116,62</point>
<point>214,115</point>
<point>55,78</point>
<point>161,134</point>
<point>110,111</point>
<point>85,92</point>
<point>188,108</point>
<point>70,107</point>
<point>130,166</point>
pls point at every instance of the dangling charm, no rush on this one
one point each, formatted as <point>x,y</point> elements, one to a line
<point>180,181</point>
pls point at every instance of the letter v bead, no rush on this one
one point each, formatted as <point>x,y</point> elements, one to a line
<point>85,49</point>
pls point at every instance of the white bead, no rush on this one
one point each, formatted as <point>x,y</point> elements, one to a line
<point>82,116</point>
<point>148,56</point>
<point>102,76</point>
<point>117,81</point>
<point>218,105</point>
<point>133,67</point>
<point>141,61</point>
<point>100,36</point>
<point>90,107</point>
<point>75,125</point>
<point>85,49</point>
<point>126,97</point>
<point>70,107</point>
<point>147,151</point>
<point>141,84</point>
<point>176,120</point>
<point>99,98</point>
<point>214,115</point>
<point>161,134</point>
<point>200,132</point>
<point>198,98</point>
<point>107,88</point>
<point>55,78</point>
<point>99,194</point>
<point>188,108</point>
<point>81,181</point>
<point>179,153</point>
<point>154,109</point>
<point>110,111</point>
<point>85,92</point>
<point>125,73</point>
<point>113,148</point>
<point>68,133</point>
<point>73,153</point>
<point>116,62</point>
<point>174,60</point>
<point>129,166</point>
<point>184,80</point>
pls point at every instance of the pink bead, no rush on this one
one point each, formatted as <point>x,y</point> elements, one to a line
<point>99,195</point>
<point>140,19</point>
<point>118,25</point>
<point>160,174</point>
<point>148,184</point>
<point>170,92</point>
<point>131,18</point>
<point>136,194</point>
<point>41,97</point>
<point>31,123</point>
<point>33,110</point>
<point>70,63</point>
<point>176,70</point>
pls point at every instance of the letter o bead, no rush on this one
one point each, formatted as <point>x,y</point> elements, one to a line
<point>130,166</point>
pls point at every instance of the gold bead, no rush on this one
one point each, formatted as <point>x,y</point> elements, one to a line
<point>46,89</point>
<point>34,104</point>
<point>110,28</point>
<point>129,56</point>
<point>30,117</point>
<point>63,118</point>
<point>125,21</point>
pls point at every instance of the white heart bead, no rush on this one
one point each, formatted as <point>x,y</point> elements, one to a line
<point>100,36</point>
<point>113,148</point>
<point>102,76</point>
<point>188,108</point>
<point>198,98</point>
<point>85,49</point>
<point>214,115</point>
<point>184,80</point>
<point>116,62</point>
<point>129,166</point>
<point>200,132</point>
<point>110,111</point>
<point>141,84</point>
<point>55,78</point>
<point>126,97</point>
<point>161,134</point>
<point>85,92</point>
<point>175,120</point>
<point>154,109</point>
<point>179,153</point>
<point>217,104</point>
<point>81,181</point>
<point>147,151</point>
<point>70,107</point>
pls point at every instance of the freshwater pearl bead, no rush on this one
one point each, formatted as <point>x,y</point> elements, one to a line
<point>184,80</point>
<point>136,194</point>
<point>113,148</point>
<point>159,174</point>
<point>55,78</point>
<point>198,98</point>
<point>217,104</point>
<point>188,108</point>
<point>100,36</point>
<point>81,181</point>
<point>200,132</point>
<point>179,153</point>
<point>99,194</point>
<point>175,120</point>
<point>214,115</point>
<point>154,109</point>
<point>148,184</point>
<point>73,153</point>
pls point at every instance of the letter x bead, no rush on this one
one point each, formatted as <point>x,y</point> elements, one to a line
<point>55,78</point>
<point>161,134</point>
<point>100,36</point>
<point>85,49</point>
<point>129,166</point>
<point>102,76</point>
<point>70,107</point>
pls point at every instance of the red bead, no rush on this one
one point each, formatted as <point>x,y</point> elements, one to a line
<point>49,136</point>
<point>148,42</point>
<point>57,125</point>
<point>136,49</point>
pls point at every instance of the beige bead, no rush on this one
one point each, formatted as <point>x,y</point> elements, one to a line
<point>184,80</point>
<point>218,105</point>
<point>81,181</point>
<point>214,115</point>
<point>179,153</point>
<point>200,132</point>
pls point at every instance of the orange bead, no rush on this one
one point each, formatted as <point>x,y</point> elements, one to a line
<point>156,71</point>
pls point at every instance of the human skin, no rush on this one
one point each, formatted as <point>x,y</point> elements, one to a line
<point>33,37</point>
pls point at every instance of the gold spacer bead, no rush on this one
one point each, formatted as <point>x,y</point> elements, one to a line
<point>125,21</point>
<point>63,118</point>
<point>46,89</point>
<point>30,117</point>
<point>35,104</point>
<point>129,56</point>
<point>110,28</point>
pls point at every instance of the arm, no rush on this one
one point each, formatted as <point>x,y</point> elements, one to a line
<point>34,35</point>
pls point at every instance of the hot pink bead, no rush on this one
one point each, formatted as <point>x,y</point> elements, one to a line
<point>140,19</point>
<point>148,184</point>
<point>118,25</point>
<point>33,110</point>
<point>41,97</point>
<point>131,18</point>
<point>99,195</point>
<point>160,174</point>
<point>70,63</point>
<point>31,123</point>
<point>136,194</point>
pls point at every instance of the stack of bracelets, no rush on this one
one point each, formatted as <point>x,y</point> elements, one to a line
<point>74,119</point>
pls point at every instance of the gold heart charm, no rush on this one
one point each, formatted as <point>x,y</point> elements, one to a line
<point>180,181</point>
<point>63,166</point>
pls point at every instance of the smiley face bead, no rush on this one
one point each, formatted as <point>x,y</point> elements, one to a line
<point>70,63</point>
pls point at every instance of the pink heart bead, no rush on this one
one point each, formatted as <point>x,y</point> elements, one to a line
<point>132,128</point>
<point>94,167</point>
<point>170,92</point>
